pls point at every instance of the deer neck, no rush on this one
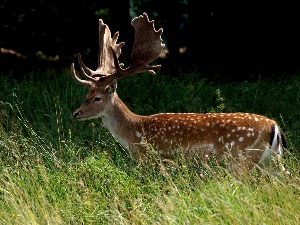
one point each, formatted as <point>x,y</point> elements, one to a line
<point>120,121</point>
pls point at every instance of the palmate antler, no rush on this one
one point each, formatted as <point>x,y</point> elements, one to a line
<point>146,48</point>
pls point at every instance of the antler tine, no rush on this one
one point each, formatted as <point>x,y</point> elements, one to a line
<point>146,48</point>
<point>78,80</point>
<point>117,50</point>
<point>105,58</point>
<point>85,70</point>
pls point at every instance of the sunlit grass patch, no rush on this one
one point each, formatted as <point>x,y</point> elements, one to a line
<point>55,170</point>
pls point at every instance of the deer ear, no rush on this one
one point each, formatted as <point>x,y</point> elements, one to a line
<point>111,88</point>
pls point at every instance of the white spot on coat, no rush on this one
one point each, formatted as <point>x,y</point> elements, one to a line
<point>138,134</point>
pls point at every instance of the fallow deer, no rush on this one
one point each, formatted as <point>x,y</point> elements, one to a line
<point>244,139</point>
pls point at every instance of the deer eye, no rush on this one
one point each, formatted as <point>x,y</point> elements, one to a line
<point>96,99</point>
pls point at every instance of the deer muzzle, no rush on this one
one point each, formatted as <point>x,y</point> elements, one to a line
<point>77,113</point>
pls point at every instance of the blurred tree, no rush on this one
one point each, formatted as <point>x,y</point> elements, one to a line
<point>48,30</point>
<point>53,32</point>
<point>221,38</point>
<point>237,40</point>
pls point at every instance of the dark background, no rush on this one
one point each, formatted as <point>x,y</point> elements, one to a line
<point>224,40</point>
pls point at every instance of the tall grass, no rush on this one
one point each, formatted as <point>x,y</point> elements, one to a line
<point>55,170</point>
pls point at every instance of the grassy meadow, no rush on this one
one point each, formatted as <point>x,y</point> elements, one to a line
<point>56,170</point>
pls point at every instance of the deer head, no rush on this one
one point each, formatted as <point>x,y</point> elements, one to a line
<point>102,82</point>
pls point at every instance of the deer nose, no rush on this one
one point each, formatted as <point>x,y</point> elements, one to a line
<point>76,113</point>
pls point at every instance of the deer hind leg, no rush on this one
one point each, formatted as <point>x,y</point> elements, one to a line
<point>271,160</point>
<point>272,156</point>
